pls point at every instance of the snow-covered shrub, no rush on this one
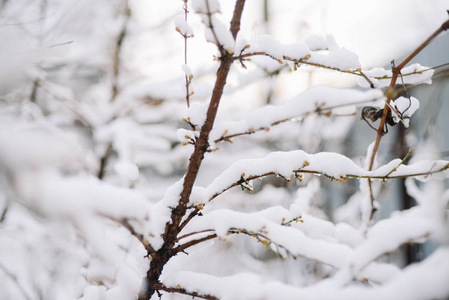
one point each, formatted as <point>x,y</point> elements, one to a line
<point>195,183</point>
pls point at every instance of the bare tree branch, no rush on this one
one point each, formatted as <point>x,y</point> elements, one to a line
<point>318,110</point>
<point>172,228</point>
<point>391,93</point>
<point>191,243</point>
<point>15,280</point>
<point>180,290</point>
<point>140,237</point>
<point>343,178</point>
<point>304,61</point>
<point>118,50</point>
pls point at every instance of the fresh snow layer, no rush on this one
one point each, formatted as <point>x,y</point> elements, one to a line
<point>319,99</point>
<point>413,74</point>
<point>424,280</point>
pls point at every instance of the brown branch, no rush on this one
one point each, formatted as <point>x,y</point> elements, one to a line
<point>4,212</point>
<point>318,110</point>
<point>172,228</point>
<point>118,49</point>
<point>103,161</point>
<point>188,219</point>
<point>14,279</point>
<point>390,93</point>
<point>370,177</point>
<point>235,22</point>
<point>191,243</point>
<point>188,77</point>
<point>193,233</point>
<point>179,290</point>
<point>34,90</point>
<point>211,27</point>
<point>233,230</point>
<point>304,61</point>
<point>140,237</point>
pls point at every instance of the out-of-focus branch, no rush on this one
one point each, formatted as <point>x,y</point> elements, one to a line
<point>15,280</point>
<point>118,49</point>
<point>140,237</point>
<point>103,161</point>
<point>180,290</point>
<point>188,76</point>
<point>211,27</point>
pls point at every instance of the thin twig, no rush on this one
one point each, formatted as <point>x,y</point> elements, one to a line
<point>103,161</point>
<point>261,237</point>
<point>140,237</point>
<point>15,280</point>
<point>343,177</point>
<point>304,61</point>
<point>4,212</point>
<point>293,119</point>
<point>390,93</point>
<point>193,233</point>
<point>211,27</point>
<point>191,243</point>
<point>188,219</point>
<point>165,252</point>
<point>118,48</point>
<point>402,162</point>
<point>180,290</point>
<point>188,77</point>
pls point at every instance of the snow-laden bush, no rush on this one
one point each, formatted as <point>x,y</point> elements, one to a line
<point>108,177</point>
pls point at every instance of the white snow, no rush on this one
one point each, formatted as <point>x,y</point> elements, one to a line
<point>319,99</point>
<point>336,58</point>
<point>183,27</point>
<point>268,44</point>
<point>413,74</point>
<point>201,7</point>
<point>406,107</point>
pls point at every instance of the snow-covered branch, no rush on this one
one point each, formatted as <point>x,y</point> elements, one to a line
<point>289,165</point>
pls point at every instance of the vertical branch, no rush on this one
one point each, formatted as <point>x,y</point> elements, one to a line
<point>235,22</point>
<point>118,49</point>
<point>390,93</point>
<point>104,161</point>
<point>172,228</point>
<point>15,280</point>
<point>5,211</point>
<point>202,144</point>
<point>188,76</point>
<point>41,34</point>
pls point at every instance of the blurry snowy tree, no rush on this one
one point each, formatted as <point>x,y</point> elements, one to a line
<point>107,178</point>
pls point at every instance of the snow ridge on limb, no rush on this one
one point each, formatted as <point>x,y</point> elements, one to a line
<point>358,262</point>
<point>408,284</point>
<point>296,238</point>
<point>291,164</point>
<point>320,99</point>
<point>413,74</point>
